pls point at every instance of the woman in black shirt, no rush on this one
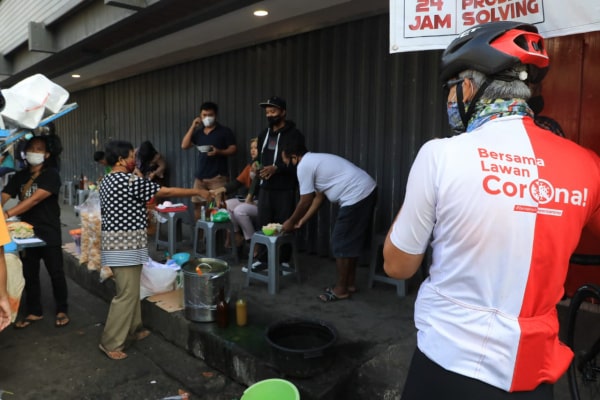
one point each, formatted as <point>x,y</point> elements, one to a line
<point>37,188</point>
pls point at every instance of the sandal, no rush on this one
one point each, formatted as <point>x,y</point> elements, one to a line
<point>62,320</point>
<point>24,323</point>
<point>113,355</point>
<point>141,334</point>
<point>351,289</point>
<point>330,296</point>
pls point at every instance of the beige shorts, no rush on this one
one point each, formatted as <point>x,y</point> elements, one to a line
<point>208,184</point>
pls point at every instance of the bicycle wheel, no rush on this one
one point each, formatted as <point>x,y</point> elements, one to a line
<point>583,336</point>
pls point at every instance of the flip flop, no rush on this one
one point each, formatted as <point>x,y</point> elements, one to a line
<point>24,323</point>
<point>351,289</point>
<point>141,334</point>
<point>113,355</point>
<point>62,320</point>
<point>329,296</point>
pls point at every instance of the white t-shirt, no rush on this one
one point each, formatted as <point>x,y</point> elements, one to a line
<point>506,204</point>
<point>341,181</point>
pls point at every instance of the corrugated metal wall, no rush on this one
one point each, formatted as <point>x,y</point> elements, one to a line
<point>16,15</point>
<point>345,92</point>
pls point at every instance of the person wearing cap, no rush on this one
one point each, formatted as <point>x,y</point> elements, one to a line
<point>505,214</point>
<point>278,185</point>
<point>215,142</point>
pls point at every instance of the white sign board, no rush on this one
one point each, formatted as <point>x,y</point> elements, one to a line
<point>433,24</point>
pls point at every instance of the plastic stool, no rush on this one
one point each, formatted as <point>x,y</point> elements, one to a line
<point>274,268</point>
<point>68,193</point>
<point>82,195</point>
<point>210,229</point>
<point>173,218</point>
<point>378,241</point>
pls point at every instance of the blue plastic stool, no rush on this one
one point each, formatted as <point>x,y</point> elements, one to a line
<point>173,218</point>
<point>378,241</point>
<point>210,230</point>
<point>274,268</point>
<point>68,193</point>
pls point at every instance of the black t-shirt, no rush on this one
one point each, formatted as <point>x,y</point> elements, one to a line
<point>44,216</point>
<point>221,137</point>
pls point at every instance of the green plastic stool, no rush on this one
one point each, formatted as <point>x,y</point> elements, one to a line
<point>272,389</point>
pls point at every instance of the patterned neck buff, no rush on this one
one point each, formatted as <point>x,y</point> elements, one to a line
<point>487,110</point>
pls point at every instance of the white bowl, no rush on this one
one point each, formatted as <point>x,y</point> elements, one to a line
<point>204,149</point>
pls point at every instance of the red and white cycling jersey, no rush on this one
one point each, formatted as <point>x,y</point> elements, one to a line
<point>506,204</point>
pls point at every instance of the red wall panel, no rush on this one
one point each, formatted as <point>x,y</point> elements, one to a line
<point>589,134</point>
<point>561,87</point>
<point>571,93</point>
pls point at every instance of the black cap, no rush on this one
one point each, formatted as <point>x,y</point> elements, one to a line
<point>274,102</point>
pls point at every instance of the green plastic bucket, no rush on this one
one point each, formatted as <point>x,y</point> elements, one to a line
<point>272,389</point>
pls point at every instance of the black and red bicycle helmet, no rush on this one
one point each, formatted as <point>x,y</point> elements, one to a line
<point>496,47</point>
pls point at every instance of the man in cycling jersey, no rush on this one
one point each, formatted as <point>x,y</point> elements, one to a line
<point>505,203</point>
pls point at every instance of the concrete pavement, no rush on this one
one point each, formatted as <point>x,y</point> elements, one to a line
<point>44,362</point>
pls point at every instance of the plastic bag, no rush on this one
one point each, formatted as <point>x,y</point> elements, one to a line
<point>157,278</point>
<point>220,216</point>
<point>14,283</point>
<point>91,231</point>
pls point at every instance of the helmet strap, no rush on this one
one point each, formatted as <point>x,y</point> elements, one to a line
<point>465,115</point>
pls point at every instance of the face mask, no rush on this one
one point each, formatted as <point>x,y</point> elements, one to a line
<point>130,166</point>
<point>274,120</point>
<point>34,158</point>
<point>208,121</point>
<point>454,118</point>
<point>536,104</point>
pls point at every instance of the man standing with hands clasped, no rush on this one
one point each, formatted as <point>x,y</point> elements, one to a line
<point>319,175</point>
<point>215,143</point>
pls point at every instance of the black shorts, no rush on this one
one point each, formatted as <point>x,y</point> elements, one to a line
<point>352,226</point>
<point>428,380</point>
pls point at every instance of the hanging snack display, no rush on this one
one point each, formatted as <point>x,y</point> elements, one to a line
<point>91,232</point>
